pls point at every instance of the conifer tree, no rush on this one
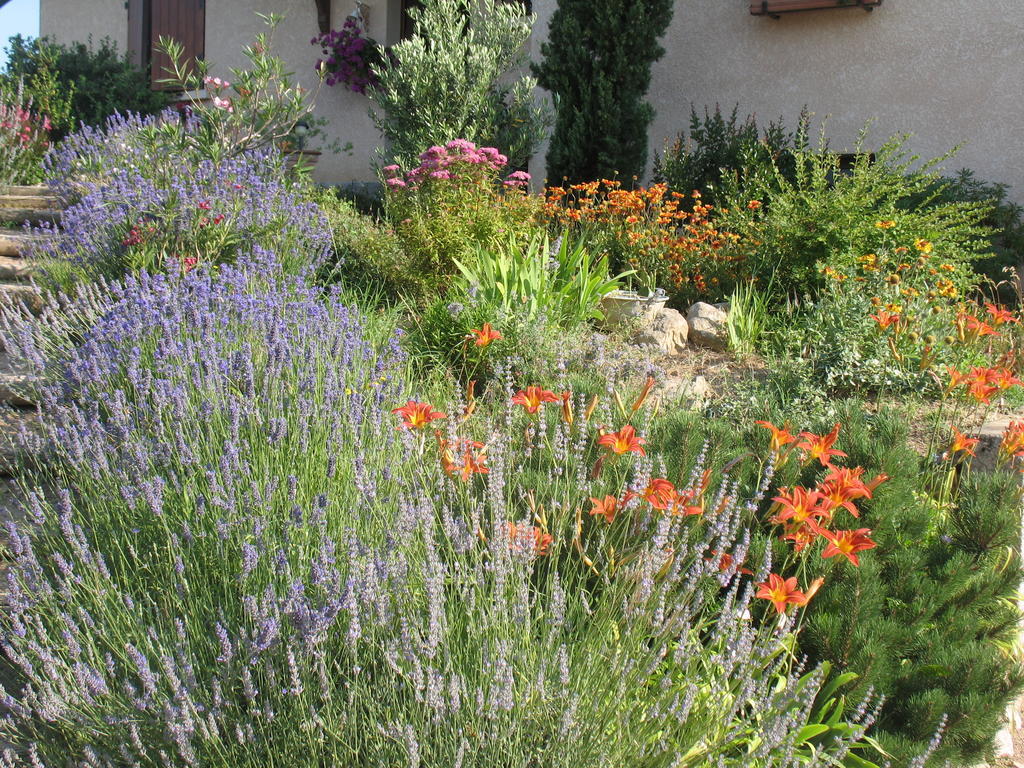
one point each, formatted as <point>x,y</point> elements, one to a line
<point>597,66</point>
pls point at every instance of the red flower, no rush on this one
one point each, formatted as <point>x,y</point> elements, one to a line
<point>659,493</point>
<point>1000,315</point>
<point>623,441</point>
<point>472,459</point>
<point>204,206</point>
<point>533,397</point>
<point>781,592</point>
<point>962,443</point>
<point>485,335</point>
<point>820,447</point>
<point>418,415</point>
<point>841,487</point>
<point>848,544</point>
<point>797,506</point>
<point>528,538</point>
<point>885,319</point>
<point>606,507</point>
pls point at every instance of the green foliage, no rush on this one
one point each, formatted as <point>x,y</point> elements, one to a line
<point>718,145</point>
<point>827,215</point>
<point>562,281</point>
<point>454,78</point>
<point>24,137</point>
<point>261,106</point>
<point>749,317</point>
<point>81,83</point>
<point>597,66</point>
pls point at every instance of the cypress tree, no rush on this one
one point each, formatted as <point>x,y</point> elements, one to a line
<point>597,66</point>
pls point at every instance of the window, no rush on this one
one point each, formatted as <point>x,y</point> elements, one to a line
<point>776,7</point>
<point>149,20</point>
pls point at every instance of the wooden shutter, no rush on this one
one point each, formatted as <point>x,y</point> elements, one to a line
<point>183,20</point>
<point>774,7</point>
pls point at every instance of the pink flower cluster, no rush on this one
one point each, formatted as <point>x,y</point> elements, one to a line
<point>446,162</point>
<point>25,125</point>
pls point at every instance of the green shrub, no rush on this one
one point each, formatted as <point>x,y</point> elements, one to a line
<point>828,216</point>
<point>718,145</point>
<point>81,83</point>
<point>597,66</point>
<point>458,77</point>
<point>24,136</point>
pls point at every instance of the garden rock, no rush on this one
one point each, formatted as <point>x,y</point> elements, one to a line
<point>707,326</point>
<point>667,331</point>
<point>693,392</point>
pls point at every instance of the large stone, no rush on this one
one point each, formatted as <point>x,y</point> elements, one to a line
<point>692,392</point>
<point>708,326</point>
<point>666,331</point>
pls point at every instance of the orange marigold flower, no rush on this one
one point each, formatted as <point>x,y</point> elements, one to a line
<point>848,544</point>
<point>780,435</point>
<point>754,205</point>
<point>885,224</point>
<point>533,397</point>
<point>923,245</point>
<point>528,539</point>
<point>418,415</point>
<point>484,336</point>
<point>606,507</point>
<point>781,592</point>
<point>797,505</point>
<point>820,447</point>
<point>623,441</point>
<point>962,444</point>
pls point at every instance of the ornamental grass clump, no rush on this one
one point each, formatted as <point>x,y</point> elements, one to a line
<point>272,548</point>
<point>126,214</point>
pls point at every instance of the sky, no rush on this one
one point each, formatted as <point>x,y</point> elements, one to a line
<point>17,17</point>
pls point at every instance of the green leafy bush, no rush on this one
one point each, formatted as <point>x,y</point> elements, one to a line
<point>80,83</point>
<point>827,215</point>
<point>24,136</point>
<point>717,145</point>
<point>457,77</point>
<point>597,66</point>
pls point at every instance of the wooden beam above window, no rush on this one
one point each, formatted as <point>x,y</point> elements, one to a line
<point>775,7</point>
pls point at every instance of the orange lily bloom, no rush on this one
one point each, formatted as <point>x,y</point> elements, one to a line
<point>638,403</point>
<point>659,493</point>
<point>528,538</point>
<point>485,335</point>
<point>418,415</point>
<point>533,397</point>
<point>1003,378</point>
<point>567,416</point>
<point>820,447</point>
<point>781,592</point>
<point>802,535</point>
<point>798,505</point>
<point>725,563</point>
<point>956,378</point>
<point>979,327</point>
<point>606,507</point>
<point>1013,439</point>
<point>885,319</point>
<point>1000,315</point>
<point>472,457</point>
<point>780,435</point>
<point>623,441</point>
<point>848,544</point>
<point>962,443</point>
<point>841,487</point>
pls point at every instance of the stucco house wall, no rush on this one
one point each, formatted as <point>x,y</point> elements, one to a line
<point>947,71</point>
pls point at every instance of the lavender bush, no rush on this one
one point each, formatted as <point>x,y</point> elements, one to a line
<point>251,565</point>
<point>138,200</point>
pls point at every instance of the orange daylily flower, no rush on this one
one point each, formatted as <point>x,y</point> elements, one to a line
<point>638,403</point>
<point>999,315</point>
<point>1012,443</point>
<point>781,592</point>
<point>418,415</point>
<point>725,563</point>
<point>780,435</point>
<point>841,487</point>
<point>820,447</point>
<point>962,443</point>
<point>606,507</point>
<point>848,544</point>
<point>532,398</point>
<point>659,493</point>
<point>484,336</point>
<point>885,319</point>
<point>566,398</point>
<point>472,458</point>
<point>623,441</point>
<point>798,505</point>
<point>528,539</point>
<point>1002,378</point>
<point>813,589</point>
<point>802,535</point>
<point>979,327</point>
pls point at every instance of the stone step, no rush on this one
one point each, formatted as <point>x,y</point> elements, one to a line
<point>36,190</point>
<point>24,294</point>
<point>15,268</point>
<point>18,216</point>
<point>15,457</point>
<point>16,243</point>
<point>29,202</point>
